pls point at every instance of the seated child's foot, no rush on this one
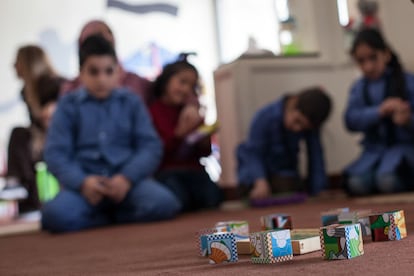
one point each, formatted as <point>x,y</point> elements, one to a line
<point>261,189</point>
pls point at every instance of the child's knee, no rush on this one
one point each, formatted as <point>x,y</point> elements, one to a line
<point>359,185</point>
<point>388,183</point>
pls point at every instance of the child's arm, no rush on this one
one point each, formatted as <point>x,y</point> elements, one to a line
<point>358,116</point>
<point>250,154</point>
<point>316,165</point>
<point>147,145</point>
<point>59,149</point>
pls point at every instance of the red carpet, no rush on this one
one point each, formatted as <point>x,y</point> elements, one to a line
<point>169,248</point>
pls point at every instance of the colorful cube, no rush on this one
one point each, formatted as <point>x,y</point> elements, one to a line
<point>240,228</point>
<point>222,248</point>
<point>331,217</point>
<point>388,226</point>
<point>271,246</point>
<point>201,239</point>
<point>341,241</point>
<point>361,217</point>
<point>276,222</point>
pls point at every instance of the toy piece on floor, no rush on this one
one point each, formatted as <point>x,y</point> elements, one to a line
<point>275,222</point>
<point>331,216</point>
<point>221,248</point>
<point>388,226</point>
<point>271,246</point>
<point>240,228</point>
<point>280,199</point>
<point>361,217</point>
<point>341,241</point>
<point>305,241</point>
<point>244,247</point>
<point>201,239</point>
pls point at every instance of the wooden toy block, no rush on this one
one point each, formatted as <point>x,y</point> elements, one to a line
<point>331,217</point>
<point>201,239</point>
<point>361,217</point>
<point>276,222</point>
<point>244,247</point>
<point>388,226</point>
<point>341,241</point>
<point>271,246</point>
<point>222,248</point>
<point>239,228</point>
<point>305,241</point>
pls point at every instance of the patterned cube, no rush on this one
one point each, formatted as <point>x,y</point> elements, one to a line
<point>388,226</point>
<point>271,246</point>
<point>222,247</point>
<point>240,228</point>
<point>341,241</point>
<point>361,217</point>
<point>276,222</point>
<point>331,216</point>
<point>201,239</point>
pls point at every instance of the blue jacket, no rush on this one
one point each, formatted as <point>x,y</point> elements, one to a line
<point>271,149</point>
<point>363,117</point>
<point>102,137</point>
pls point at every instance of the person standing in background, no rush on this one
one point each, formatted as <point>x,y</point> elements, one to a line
<point>132,81</point>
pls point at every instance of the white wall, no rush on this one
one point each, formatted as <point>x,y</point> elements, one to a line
<point>56,24</point>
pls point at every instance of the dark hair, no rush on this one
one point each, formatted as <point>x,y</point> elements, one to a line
<point>48,88</point>
<point>95,45</point>
<point>315,105</point>
<point>160,84</point>
<point>374,39</point>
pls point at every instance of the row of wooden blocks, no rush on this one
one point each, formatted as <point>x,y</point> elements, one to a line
<point>341,236</point>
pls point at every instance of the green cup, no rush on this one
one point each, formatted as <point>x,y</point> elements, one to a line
<point>47,184</point>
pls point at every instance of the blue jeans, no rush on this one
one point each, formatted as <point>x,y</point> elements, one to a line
<point>369,183</point>
<point>146,201</point>
<point>193,188</point>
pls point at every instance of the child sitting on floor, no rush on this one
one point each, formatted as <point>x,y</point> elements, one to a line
<point>175,119</point>
<point>267,160</point>
<point>102,148</point>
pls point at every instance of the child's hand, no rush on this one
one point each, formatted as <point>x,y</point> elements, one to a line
<point>261,189</point>
<point>117,187</point>
<point>389,106</point>
<point>189,119</point>
<point>93,189</point>
<point>402,115</point>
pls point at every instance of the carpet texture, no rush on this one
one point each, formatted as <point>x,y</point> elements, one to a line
<point>169,247</point>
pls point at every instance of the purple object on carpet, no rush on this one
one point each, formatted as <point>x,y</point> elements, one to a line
<point>282,199</point>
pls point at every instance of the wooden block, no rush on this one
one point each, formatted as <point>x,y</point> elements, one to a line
<point>305,241</point>
<point>271,246</point>
<point>244,247</point>
<point>388,226</point>
<point>276,221</point>
<point>331,217</point>
<point>240,228</point>
<point>222,248</point>
<point>341,241</point>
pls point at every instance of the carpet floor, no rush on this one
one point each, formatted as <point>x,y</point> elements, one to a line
<point>169,247</point>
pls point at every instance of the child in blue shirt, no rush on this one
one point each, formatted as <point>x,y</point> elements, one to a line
<point>267,160</point>
<point>102,148</point>
<point>380,107</point>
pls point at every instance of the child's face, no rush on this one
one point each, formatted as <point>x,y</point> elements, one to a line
<point>99,74</point>
<point>372,62</point>
<point>295,121</point>
<point>180,87</point>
